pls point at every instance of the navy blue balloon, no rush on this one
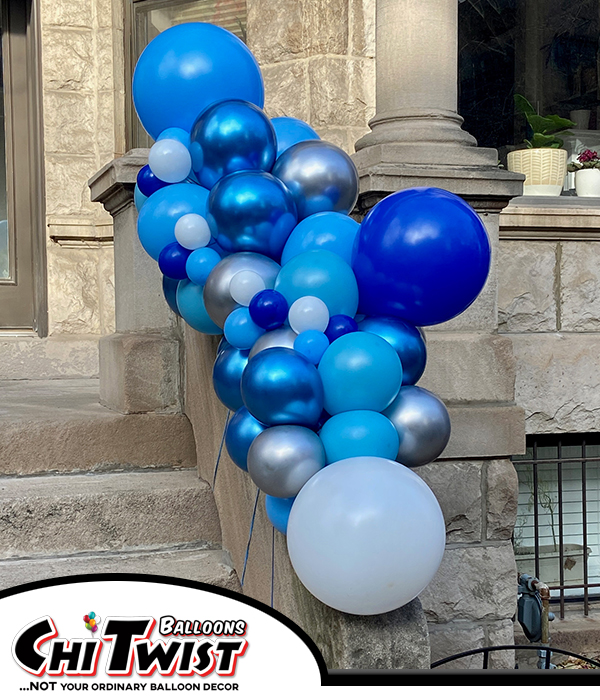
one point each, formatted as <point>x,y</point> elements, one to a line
<point>189,67</point>
<point>278,512</point>
<point>147,181</point>
<point>423,255</point>
<point>290,131</point>
<point>241,431</point>
<point>281,387</point>
<point>227,376</point>
<point>406,339</point>
<point>269,309</point>
<point>251,211</point>
<point>172,261</point>
<point>339,325</point>
<point>170,291</point>
<point>231,136</point>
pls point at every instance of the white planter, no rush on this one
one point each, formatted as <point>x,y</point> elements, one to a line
<point>587,182</point>
<point>544,170</point>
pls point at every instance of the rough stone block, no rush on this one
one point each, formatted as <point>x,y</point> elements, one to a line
<point>69,123</point>
<point>106,276</point>
<point>68,13</point>
<point>286,90</point>
<point>447,640</point>
<point>105,130</point>
<point>500,633</point>
<point>362,28</point>
<point>339,136</point>
<point>501,499</point>
<point>68,60</point>
<point>526,286</point>
<point>67,191</point>
<point>473,583</point>
<point>580,286</point>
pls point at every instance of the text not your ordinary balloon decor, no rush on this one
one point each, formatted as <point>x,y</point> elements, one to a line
<point>249,221</point>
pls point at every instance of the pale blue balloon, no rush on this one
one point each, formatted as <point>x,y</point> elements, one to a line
<point>359,434</point>
<point>327,230</point>
<point>190,303</point>
<point>200,264</point>
<point>176,133</point>
<point>322,274</point>
<point>240,330</point>
<point>290,131</point>
<point>139,199</point>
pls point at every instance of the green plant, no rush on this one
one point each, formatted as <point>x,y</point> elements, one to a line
<point>544,128</point>
<point>586,160</point>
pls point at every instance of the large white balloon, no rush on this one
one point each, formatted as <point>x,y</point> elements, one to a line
<point>366,535</point>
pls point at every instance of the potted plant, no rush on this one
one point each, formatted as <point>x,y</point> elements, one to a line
<point>543,161</point>
<point>587,174</point>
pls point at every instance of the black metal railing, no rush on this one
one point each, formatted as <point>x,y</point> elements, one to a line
<point>486,651</point>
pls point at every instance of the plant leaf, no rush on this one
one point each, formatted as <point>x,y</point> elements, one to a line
<point>523,105</point>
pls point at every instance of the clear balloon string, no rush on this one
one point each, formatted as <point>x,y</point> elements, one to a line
<point>250,537</point>
<point>220,450</point>
<point>272,564</point>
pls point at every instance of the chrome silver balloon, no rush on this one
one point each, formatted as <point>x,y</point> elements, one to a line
<point>283,458</point>
<point>279,338</point>
<point>320,176</point>
<point>217,297</point>
<point>423,425</point>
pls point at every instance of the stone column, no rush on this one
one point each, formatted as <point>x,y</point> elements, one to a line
<point>139,363</point>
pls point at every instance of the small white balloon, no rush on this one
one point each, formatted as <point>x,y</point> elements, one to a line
<point>192,231</point>
<point>170,160</point>
<point>308,314</point>
<point>244,285</point>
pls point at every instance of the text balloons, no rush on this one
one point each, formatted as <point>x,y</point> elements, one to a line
<point>423,255</point>
<point>241,431</point>
<point>187,68</point>
<point>327,230</point>
<point>290,131</point>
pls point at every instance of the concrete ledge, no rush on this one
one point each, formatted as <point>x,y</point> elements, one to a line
<point>56,357</point>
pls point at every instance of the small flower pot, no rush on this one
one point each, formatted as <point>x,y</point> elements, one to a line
<point>544,170</point>
<point>587,182</point>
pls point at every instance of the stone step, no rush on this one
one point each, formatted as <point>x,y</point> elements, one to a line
<point>101,512</point>
<point>195,564</point>
<point>59,426</point>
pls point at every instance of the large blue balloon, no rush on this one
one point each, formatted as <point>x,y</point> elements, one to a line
<point>359,434</point>
<point>290,131</point>
<point>251,211</point>
<point>157,218</point>
<point>231,136</point>
<point>281,387</point>
<point>322,274</point>
<point>406,340</point>
<point>278,512</point>
<point>189,67</point>
<point>227,376</point>
<point>423,255</point>
<point>191,307</point>
<point>327,230</point>
<point>241,431</point>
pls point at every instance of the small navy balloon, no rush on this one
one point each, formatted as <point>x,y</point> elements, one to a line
<point>278,512</point>
<point>290,131</point>
<point>172,261</point>
<point>147,181</point>
<point>269,309</point>
<point>227,376</point>
<point>339,325</point>
<point>241,431</point>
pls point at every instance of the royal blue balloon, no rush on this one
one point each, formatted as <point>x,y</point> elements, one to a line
<point>240,330</point>
<point>322,274</point>
<point>227,376</point>
<point>360,371</point>
<point>191,307</point>
<point>406,340</point>
<point>290,131</point>
<point>231,136</point>
<point>157,218</point>
<point>269,309</point>
<point>189,67</point>
<point>176,133</point>
<point>281,387</point>
<point>223,345</point>
<point>148,183</point>
<point>423,255</point>
<point>278,512</point>
<point>241,431</point>
<point>339,325</point>
<point>359,434</point>
<point>170,291</point>
<point>200,264</point>
<point>172,261</point>
<point>327,230</point>
<point>311,344</point>
<point>139,199</point>
<point>251,211</point>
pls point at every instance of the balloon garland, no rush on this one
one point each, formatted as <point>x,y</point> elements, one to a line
<point>248,220</point>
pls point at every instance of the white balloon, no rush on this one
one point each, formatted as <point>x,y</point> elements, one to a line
<point>366,535</point>
<point>308,314</point>
<point>170,160</point>
<point>192,231</point>
<point>244,285</point>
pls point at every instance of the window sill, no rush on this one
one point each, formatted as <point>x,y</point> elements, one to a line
<point>551,218</point>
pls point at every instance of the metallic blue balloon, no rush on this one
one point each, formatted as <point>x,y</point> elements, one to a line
<point>278,512</point>
<point>227,376</point>
<point>290,131</point>
<point>251,211</point>
<point>406,339</point>
<point>172,261</point>
<point>191,307</point>
<point>339,325</point>
<point>423,255</point>
<point>232,136</point>
<point>241,431</point>
<point>170,291</point>
<point>326,230</point>
<point>281,387</point>
<point>148,183</point>
<point>269,309</point>
<point>320,176</point>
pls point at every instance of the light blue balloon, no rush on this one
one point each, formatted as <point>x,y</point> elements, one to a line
<point>311,344</point>
<point>200,263</point>
<point>176,133</point>
<point>241,431</point>
<point>190,303</point>
<point>227,375</point>
<point>359,434</point>
<point>157,218</point>
<point>327,230</point>
<point>290,131</point>
<point>139,199</point>
<point>322,274</point>
<point>240,330</point>
<point>278,512</point>
<point>360,371</point>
